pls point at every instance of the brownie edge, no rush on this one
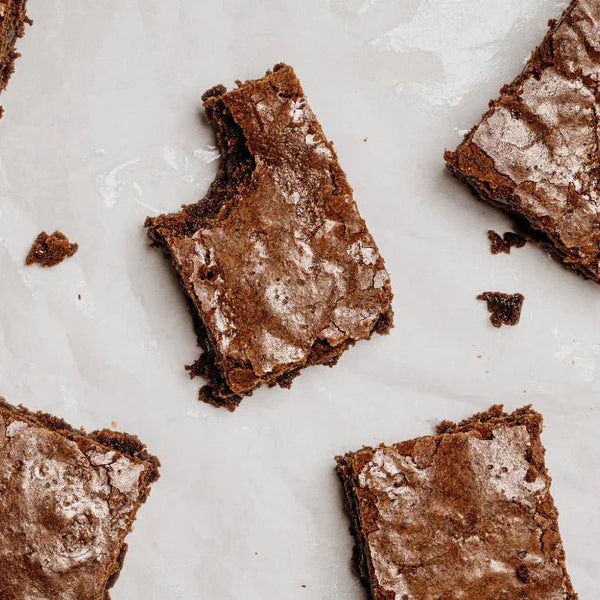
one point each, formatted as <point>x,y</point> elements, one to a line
<point>465,510</point>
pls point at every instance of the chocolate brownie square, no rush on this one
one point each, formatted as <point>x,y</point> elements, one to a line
<point>50,250</point>
<point>535,152</point>
<point>278,265</point>
<point>466,513</point>
<point>67,501</point>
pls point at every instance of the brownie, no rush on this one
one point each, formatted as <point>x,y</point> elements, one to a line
<point>67,501</point>
<point>466,513</point>
<point>504,243</point>
<point>50,250</point>
<point>12,26</point>
<point>504,309</point>
<point>535,152</point>
<point>278,265</point>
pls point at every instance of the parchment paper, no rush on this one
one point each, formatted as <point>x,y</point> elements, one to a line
<point>102,127</point>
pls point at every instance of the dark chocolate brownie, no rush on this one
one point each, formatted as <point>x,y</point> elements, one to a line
<point>535,153</point>
<point>499,243</point>
<point>504,309</point>
<point>50,250</point>
<point>12,26</point>
<point>279,267</point>
<point>466,513</point>
<point>67,501</point>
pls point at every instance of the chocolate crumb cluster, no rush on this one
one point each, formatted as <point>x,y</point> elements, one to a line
<point>50,250</point>
<point>504,243</point>
<point>504,309</point>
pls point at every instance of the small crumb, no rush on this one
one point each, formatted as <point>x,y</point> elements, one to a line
<point>504,309</point>
<point>504,243</point>
<point>365,139</point>
<point>78,296</point>
<point>113,424</point>
<point>50,250</point>
<point>303,586</point>
<point>479,356</point>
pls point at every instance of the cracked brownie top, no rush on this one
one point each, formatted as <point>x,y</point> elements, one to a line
<point>280,259</point>
<point>463,514</point>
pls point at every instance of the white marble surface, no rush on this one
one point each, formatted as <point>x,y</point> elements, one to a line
<point>102,128</point>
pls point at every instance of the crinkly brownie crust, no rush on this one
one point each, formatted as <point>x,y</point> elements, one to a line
<point>67,501</point>
<point>466,513</point>
<point>535,153</point>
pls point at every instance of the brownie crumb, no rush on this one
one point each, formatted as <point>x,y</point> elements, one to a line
<point>503,243</point>
<point>505,309</point>
<point>466,479</point>
<point>50,250</point>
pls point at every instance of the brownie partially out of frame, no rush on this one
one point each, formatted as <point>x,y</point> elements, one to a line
<point>279,267</point>
<point>67,501</point>
<point>12,26</point>
<point>466,513</point>
<point>535,153</point>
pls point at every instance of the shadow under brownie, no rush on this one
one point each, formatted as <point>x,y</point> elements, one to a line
<point>67,502</point>
<point>535,153</point>
<point>466,513</point>
<point>277,263</point>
